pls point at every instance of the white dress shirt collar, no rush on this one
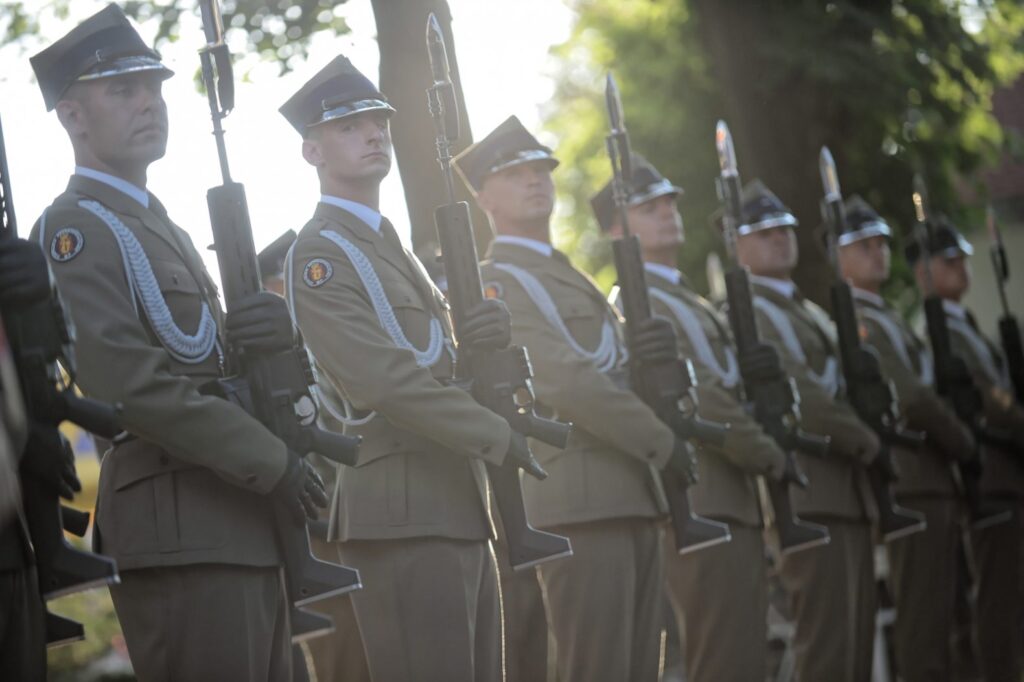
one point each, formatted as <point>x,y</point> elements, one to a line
<point>667,273</point>
<point>784,287</point>
<point>540,247</point>
<point>955,309</point>
<point>865,295</point>
<point>368,215</point>
<point>134,191</point>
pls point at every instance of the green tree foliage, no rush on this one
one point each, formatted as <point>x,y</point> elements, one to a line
<point>889,85</point>
<point>277,30</point>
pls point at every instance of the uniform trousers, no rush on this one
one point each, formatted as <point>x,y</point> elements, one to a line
<point>525,623</point>
<point>922,570</point>
<point>1000,606</point>
<point>720,597</point>
<point>22,628</point>
<point>604,602</point>
<point>429,609</point>
<point>832,594</point>
<point>205,622</point>
<point>339,656</point>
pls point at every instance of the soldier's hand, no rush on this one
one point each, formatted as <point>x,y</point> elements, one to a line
<point>760,364</point>
<point>24,274</point>
<point>488,326</point>
<point>793,473</point>
<point>519,456</point>
<point>655,341</point>
<point>50,460</point>
<point>683,462</point>
<point>260,322</point>
<point>300,490</point>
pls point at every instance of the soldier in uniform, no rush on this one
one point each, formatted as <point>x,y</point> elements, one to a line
<point>412,514</point>
<point>603,603</point>
<point>183,494</point>
<point>997,548</point>
<point>832,587</point>
<point>720,594</point>
<point>24,279</point>
<point>922,565</point>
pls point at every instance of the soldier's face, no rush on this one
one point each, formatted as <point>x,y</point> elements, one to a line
<point>523,193</point>
<point>656,223</point>
<point>354,149</point>
<point>119,121</point>
<point>951,277</point>
<point>866,262</point>
<point>769,253</point>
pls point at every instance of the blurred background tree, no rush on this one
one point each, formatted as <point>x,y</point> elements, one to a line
<point>889,86</point>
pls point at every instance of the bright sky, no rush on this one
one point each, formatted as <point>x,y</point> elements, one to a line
<point>263,149</point>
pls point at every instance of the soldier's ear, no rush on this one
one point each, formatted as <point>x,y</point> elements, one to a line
<point>71,115</point>
<point>615,230</point>
<point>312,152</point>
<point>483,199</point>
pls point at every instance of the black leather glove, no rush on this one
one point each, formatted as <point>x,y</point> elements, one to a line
<point>300,490</point>
<point>760,364</point>
<point>488,326</point>
<point>655,341</point>
<point>24,274</point>
<point>260,322</point>
<point>519,456</point>
<point>49,459</point>
<point>793,473</point>
<point>683,462</point>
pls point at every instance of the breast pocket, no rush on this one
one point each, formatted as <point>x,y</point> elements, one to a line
<point>185,301</point>
<point>584,321</point>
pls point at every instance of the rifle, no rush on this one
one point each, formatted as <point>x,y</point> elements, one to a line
<point>500,380</point>
<point>871,394</point>
<point>42,337</point>
<point>1009,331</point>
<point>668,388</point>
<point>953,380</point>
<point>272,387</point>
<point>774,403</point>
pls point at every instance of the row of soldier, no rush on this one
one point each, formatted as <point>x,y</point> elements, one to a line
<point>184,489</point>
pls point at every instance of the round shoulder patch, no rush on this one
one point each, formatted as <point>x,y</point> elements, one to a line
<point>493,290</point>
<point>67,243</point>
<point>317,272</point>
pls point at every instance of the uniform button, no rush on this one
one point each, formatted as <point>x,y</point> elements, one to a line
<point>486,449</point>
<point>174,278</point>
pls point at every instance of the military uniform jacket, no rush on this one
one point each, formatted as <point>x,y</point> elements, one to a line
<point>1003,465</point>
<point>905,360</point>
<point>184,486</point>
<point>420,470</point>
<point>616,441</point>
<point>727,488</point>
<point>838,486</point>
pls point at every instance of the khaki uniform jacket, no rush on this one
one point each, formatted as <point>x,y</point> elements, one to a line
<point>838,485</point>
<point>1003,467</point>
<point>420,470</point>
<point>905,360</point>
<point>727,488</point>
<point>185,487</point>
<point>606,470</point>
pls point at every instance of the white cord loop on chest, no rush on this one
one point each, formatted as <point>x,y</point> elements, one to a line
<point>730,373</point>
<point>926,373</point>
<point>190,349</point>
<point>828,378</point>
<point>609,353</point>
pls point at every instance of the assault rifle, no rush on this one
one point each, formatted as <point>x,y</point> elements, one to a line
<point>775,402</point>
<point>871,394</point>
<point>953,380</point>
<point>42,338</point>
<point>1009,331</point>
<point>273,387</point>
<point>668,388</point>
<point>500,380</point>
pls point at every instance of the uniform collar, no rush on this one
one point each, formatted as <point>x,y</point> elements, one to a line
<point>954,309</point>
<point>784,287</point>
<point>667,273</point>
<point>368,215</point>
<point>540,247</point>
<point>868,297</point>
<point>133,191</point>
